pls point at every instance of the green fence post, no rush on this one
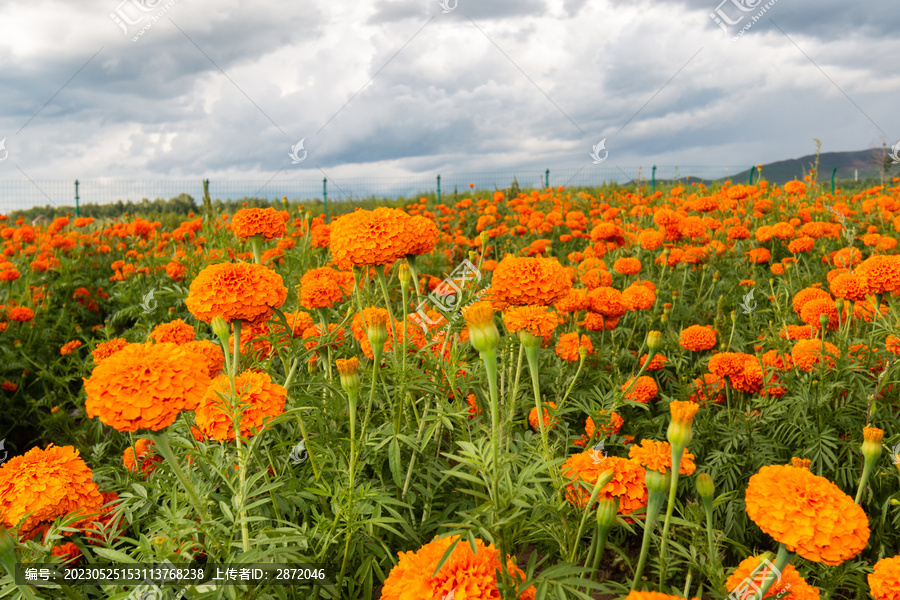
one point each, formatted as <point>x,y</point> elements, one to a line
<point>653,178</point>
<point>547,178</point>
<point>77,210</point>
<point>325,196</point>
<point>833,171</point>
<point>750,179</point>
<point>438,189</point>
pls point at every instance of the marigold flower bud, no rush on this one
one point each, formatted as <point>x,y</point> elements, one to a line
<point>607,509</point>
<point>658,483</point>
<point>220,329</point>
<point>871,446</point>
<point>483,333</point>
<point>654,340</point>
<point>680,429</point>
<point>348,369</point>
<point>376,330</point>
<point>529,340</point>
<point>582,352</point>
<point>484,238</point>
<point>312,366</point>
<point>404,274</point>
<point>705,487</point>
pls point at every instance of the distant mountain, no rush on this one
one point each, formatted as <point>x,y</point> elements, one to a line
<point>848,164</point>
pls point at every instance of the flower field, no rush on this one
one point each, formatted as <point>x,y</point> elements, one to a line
<point>607,393</point>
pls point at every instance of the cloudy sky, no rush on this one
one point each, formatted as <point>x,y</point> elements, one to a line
<point>183,89</point>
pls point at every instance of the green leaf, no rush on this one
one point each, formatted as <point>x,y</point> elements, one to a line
<point>394,460</point>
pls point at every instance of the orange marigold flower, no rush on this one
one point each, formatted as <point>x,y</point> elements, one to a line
<point>795,187</point>
<point>708,388</point>
<point>697,338</point>
<point>817,307</point>
<point>683,412</point>
<point>145,454</point>
<point>627,483</point>
<point>107,349</point>
<point>175,332</point>
<point>324,287</point>
<point>659,362</point>
<point>801,244</point>
<point>473,573</point>
<point>782,231</point>
<point>806,354</point>
<point>627,266</point>
<point>145,386</point>
<point>568,344</point>
<point>650,239</point>
<point>644,389</point>
<point>424,236</point>
<point>849,286</point>
<point>215,358</point>
<point>371,237</point>
<point>657,456</point>
<point>257,396</point>
<point>884,583</point>
<point>46,484</point>
<point>610,423</point>
<point>809,514</point>
<point>268,223</point>
<point>576,300</point>
<point>882,273</point>
<point>232,291</point>
<point>805,295</point>
<point>68,552</point>
<point>638,297</point>
<point>21,314</point>
<point>530,280</point>
<point>533,418</point>
<point>726,364</point>
<point>892,344</point>
<point>788,585</point>
<point>536,320</point>
<point>474,409</point>
<point>70,347</point>
<point>607,301</point>
<point>847,258</point>
<point>758,255</point>
<point>796,332</point>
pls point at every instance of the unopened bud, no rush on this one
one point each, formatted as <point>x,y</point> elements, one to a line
<point>654,340</point>
<point>484,238</point>
<point>823,320</point>
<point>348,369</point>
<point>658,483</point>
<point>529,340</point>
<point>220,329</point>
<point>483,333</point>
<point>313,365</point>
<point>376,330</point>
<point>871,446</point>
<point>705,486</point>
<point>404,274</point>
<point>606,512</point>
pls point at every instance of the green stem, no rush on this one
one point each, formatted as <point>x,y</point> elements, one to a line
<point>677,453</point>
<point>531,353</point>
<point>867,471</point>
<point>490,365</point>
<point>256,244</point>
<point>653,507</point>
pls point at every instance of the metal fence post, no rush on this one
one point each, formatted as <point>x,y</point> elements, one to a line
<point>77,209</point>
<point>547,178</point>
<point>325,195</point>
<point>833,171</point>
<point>750,178</point>
<point>438,189</point>
<point>653,178</point>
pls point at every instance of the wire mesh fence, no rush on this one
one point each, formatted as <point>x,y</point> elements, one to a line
<point>22,194</point>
